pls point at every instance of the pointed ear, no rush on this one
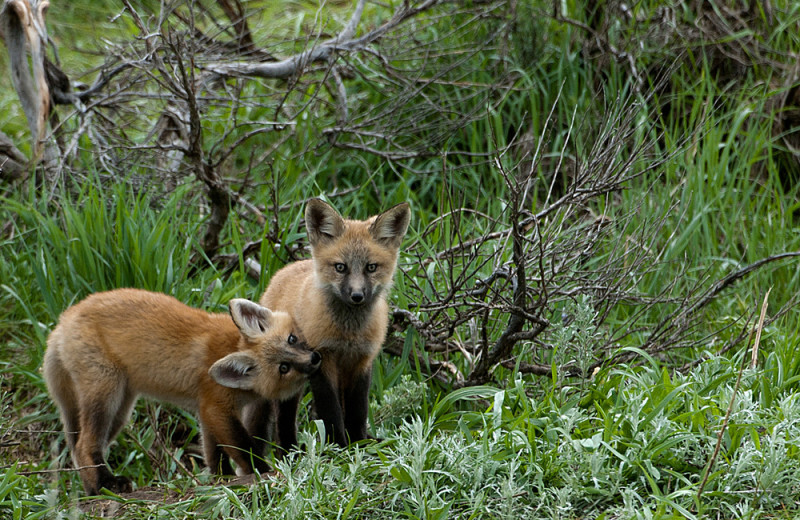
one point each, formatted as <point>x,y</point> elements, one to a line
<point>237,370</point>
<point>390,226</point>
<point>252,319</point>
<point>323,223</point>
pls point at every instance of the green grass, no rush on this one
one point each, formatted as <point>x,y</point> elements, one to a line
<point>633,446</point>
<point>631,441</point>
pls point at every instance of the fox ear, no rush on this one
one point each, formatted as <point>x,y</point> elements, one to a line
<point>322,222</point>
<point>390,226</point>
<point>237,370</point>
<point>252,319</point>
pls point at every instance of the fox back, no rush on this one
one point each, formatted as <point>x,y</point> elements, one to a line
<point>165,349</point>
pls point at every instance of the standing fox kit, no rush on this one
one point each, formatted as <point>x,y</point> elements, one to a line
<point>338,299</point>
<point>113,346</point>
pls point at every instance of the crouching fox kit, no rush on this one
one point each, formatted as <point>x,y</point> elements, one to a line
<point>338,299</point>
<point>113,346</point>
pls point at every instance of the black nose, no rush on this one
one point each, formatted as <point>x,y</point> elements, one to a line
<point>315,358</point>
<point>357,297</point>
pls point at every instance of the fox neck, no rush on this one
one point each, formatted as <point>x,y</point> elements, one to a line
<point>349,317</point>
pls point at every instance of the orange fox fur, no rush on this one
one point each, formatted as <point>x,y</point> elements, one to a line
<point>338,299</point>
<point>113,346</point>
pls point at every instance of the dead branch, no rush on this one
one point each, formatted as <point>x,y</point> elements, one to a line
<point>217,191</point>
<point>673,326</point>
<point>48,471</point>
<point>516,321</point>
<point>234,10</point>
<point>296,64</point>
<point>13,163</point>
<point>24,28</point>
<point>442,371</point>
<point>531,273</point>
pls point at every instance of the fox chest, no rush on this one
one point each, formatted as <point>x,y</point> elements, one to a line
<point>347,350</point>
<point>343,360</point>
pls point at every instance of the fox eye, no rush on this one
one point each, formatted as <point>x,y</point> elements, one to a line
<point>371,268</point>
<point>340,267</point>
<point>292,339</point>
<point>284,368</point>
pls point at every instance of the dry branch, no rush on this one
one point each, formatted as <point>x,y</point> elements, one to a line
<point>24,29</point>
<point>296,64</point>
<point>13,163</point>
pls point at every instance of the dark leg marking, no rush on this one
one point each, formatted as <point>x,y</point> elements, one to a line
<point>239,446</point>
<point>287,422</point>
<point>329,409</point>
<point>257,419</point>
<point>356,406</point>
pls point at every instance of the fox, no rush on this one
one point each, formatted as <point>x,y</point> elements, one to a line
<point>114,346</point>
<point>338,298</point>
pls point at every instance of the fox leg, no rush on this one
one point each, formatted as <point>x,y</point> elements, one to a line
<point>211,451</point>
<point>223,431</point>
<point>257,418</point>
<point>287,422</point>
<point>62,388</point>
<point>356,406</point>
<point>329,408</point>
<point>97,413</point>
<point>122,415</point>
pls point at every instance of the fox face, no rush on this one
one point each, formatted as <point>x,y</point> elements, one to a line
<point>274,362</point>
<point>354,261</point>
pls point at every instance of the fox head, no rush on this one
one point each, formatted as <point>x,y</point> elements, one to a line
<point>272,360</point>
<point>355,260</point>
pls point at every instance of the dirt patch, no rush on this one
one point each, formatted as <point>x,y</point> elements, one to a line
<point>113,507</point>
<point>149,497</point>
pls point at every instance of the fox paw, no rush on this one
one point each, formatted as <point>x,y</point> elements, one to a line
<point>118,484</point>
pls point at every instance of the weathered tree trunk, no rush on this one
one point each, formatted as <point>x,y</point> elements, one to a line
<point>24,31</point>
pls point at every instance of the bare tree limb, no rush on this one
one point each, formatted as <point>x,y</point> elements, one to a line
<point>294,65</point>
<point>13,163</point>
<point>670,327</point>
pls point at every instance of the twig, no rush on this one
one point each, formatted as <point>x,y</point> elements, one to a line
<point>101,81</point>
<point>528,368</point>
<point>754,358</point>
<point>434,368</point>
<point>683,313</point>
<point>163,445</point>
<point>47,471</point>
<point>713,458</point>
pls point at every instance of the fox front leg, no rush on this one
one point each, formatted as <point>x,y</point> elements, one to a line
<point>356,399</point>
<point>329,408</point>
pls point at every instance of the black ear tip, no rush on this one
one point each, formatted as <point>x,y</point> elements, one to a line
<point>401,212</point>
<point>316,204</point>
<point>316,209</point>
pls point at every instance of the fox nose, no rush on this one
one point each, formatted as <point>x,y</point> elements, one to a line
<point>357,296</point>
<point>316,358</point>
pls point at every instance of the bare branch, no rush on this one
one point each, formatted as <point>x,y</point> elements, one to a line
<point>293,65</point>
<point>13,163</point>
